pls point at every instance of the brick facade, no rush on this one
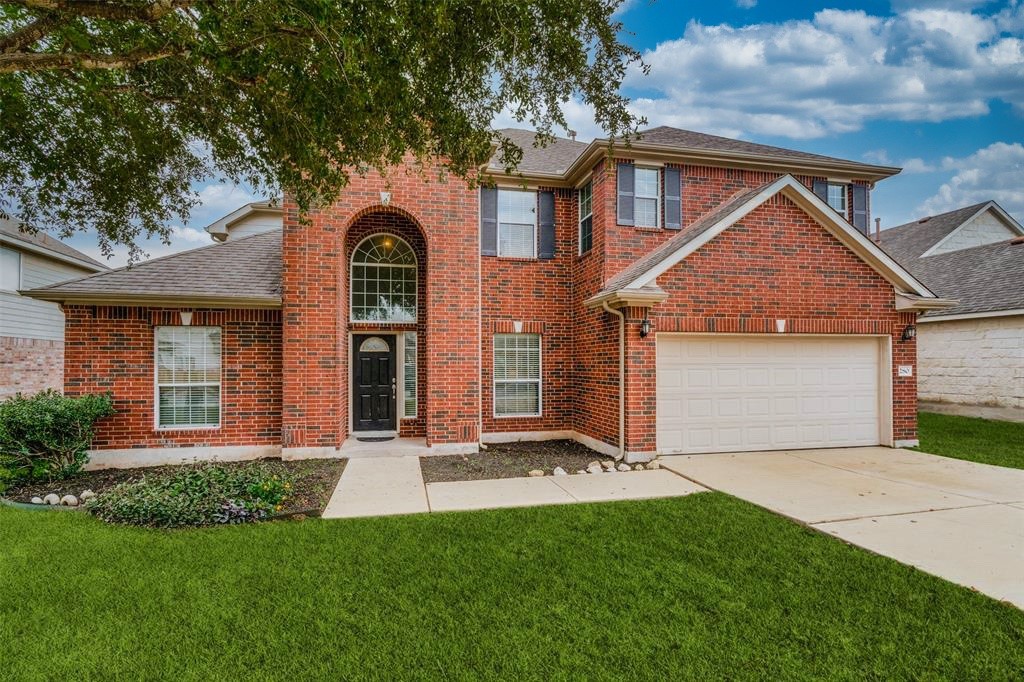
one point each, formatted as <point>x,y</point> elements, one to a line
<point>294,387</point>
<point>29,366</point>
<point>112,349</point>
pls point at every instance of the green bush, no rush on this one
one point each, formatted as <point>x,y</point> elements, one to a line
<point>199,495</point>
<point>47,436</point>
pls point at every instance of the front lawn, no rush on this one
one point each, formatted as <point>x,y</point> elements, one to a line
<point>705,586</point>
<point>977,440</point>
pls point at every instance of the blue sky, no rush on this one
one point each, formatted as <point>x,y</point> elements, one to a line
<point>933,86</point>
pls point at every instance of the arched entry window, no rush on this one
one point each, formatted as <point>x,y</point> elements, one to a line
<point>383,280</point>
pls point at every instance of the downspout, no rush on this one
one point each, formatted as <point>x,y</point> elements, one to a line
<point>622,377</point>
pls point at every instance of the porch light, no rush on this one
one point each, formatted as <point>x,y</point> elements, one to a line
<point>909,332</point>
<point>645,327</point>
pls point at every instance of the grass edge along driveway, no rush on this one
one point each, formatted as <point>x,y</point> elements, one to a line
<point>705,586</point>
<point>986,441</point>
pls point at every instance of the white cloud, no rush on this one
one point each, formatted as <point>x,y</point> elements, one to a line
<point>833,73</point>
<point>746,4</point>
<point>994,172</point>
<point>189,234</point>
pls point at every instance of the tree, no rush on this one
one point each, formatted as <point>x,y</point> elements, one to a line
<point>113,109</point>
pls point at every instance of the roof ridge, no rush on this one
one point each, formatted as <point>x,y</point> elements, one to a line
<point>929,218</point>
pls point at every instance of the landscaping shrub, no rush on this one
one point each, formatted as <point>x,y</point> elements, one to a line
<point>47,436</point>
<point>200,495</point>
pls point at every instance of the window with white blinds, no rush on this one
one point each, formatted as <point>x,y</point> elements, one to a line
<point>517,224</point>
<point>188,377</point>
<point>517,382</point>
<point>409,376</point>
<point>647,198</point>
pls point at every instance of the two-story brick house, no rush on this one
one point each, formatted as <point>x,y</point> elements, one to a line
<point>686,294</point>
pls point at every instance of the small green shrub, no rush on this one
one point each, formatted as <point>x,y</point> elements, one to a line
<point>200,495</point>
<point>47,436</point>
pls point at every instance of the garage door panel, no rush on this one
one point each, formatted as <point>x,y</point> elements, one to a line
<point>758,393</point>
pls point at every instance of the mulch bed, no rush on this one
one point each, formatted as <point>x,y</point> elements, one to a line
<point>313,482</point>
<point>509,460</point>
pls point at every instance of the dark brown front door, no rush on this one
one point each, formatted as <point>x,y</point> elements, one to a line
<point>373,383</point>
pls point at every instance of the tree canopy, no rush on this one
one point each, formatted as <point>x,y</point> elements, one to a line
<point>112,110</point>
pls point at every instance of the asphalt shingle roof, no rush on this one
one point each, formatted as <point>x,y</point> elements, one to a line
<point>9,228</point>
<point>555,158</point>
<point>983,278</point>
<point>910,240</point>
<point>246,269</point>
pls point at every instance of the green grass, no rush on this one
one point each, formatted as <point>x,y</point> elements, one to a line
<point>700,587</point>
<point>977,440</point>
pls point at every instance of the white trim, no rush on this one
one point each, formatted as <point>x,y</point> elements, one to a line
<point>156,381</point>
<point>18,244</point>
<point>415,267</point>
<point>846,197</point>
<point>999,213</point>
<point>970,316</point>
<point>130,458</point>
<point>817,209</point>
<point>539,381</point>
<point>911,443</point>
<point>219,228</point>
<point>400,373</point>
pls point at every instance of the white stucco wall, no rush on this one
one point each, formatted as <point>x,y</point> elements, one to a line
<point>972,362</point>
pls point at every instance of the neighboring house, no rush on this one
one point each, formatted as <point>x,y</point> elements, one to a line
<point>689,294</point>
<point>254,218</point>
<point>972,353</point>
<point>32,331</point>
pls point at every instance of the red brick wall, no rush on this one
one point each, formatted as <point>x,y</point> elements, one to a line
<point>777,263</point>
<point>30,365</point>
<point>112,349</point>
<point>539,294</point>
<point>316,395</point>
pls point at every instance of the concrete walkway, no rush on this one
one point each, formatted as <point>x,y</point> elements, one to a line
<point>394,485</point>
<point>959,520</point>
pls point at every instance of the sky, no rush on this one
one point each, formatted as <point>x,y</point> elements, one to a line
<point>933,86</point>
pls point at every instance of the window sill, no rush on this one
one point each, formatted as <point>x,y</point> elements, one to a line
<point>518,416</point>
<point>187,428</point>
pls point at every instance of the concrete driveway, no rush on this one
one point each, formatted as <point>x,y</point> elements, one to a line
<point>955,519</point>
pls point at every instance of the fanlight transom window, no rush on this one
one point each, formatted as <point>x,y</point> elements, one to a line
<point>383,280</point>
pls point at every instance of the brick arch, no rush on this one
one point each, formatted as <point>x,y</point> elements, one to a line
<point>401,224</point>
<point>381,209</point>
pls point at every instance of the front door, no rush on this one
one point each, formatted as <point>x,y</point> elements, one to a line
<point>373,383</point>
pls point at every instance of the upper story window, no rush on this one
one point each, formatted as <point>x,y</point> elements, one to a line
<point>517,223</point>
<point>188,377</point>
<point>586,217</point>
<point>383,280</point>
<point>647,199</point>
<point>837,197</point>
<point>10,269</point>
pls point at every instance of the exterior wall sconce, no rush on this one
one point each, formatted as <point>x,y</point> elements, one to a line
<point>909,332</point>
<point>645,327</point>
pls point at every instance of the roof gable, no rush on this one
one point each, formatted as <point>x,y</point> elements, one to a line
<point>42,243</point>
<point>645,271</point>
<point>925,236</point>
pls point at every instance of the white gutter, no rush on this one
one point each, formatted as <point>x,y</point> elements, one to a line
<point>622,377</point>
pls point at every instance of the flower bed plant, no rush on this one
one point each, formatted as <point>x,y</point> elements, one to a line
<point>200,495</point>
<point>46,437</point>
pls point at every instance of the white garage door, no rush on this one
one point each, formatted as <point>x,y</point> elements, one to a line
<point>736,393</point>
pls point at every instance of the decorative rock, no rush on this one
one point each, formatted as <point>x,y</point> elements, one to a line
<point>595,463</point>
<point>559,471</point>
<point>51,499</point>
<point>37,500</point>
<point>69,501</point>
<point>623,467</point>
<point>595,468</point>
<point>581,471</point>
<point>609,465</point>
<point>87,495</point>
<point>536,472</point>
<point>654,464</point>
<point>638,467</point>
